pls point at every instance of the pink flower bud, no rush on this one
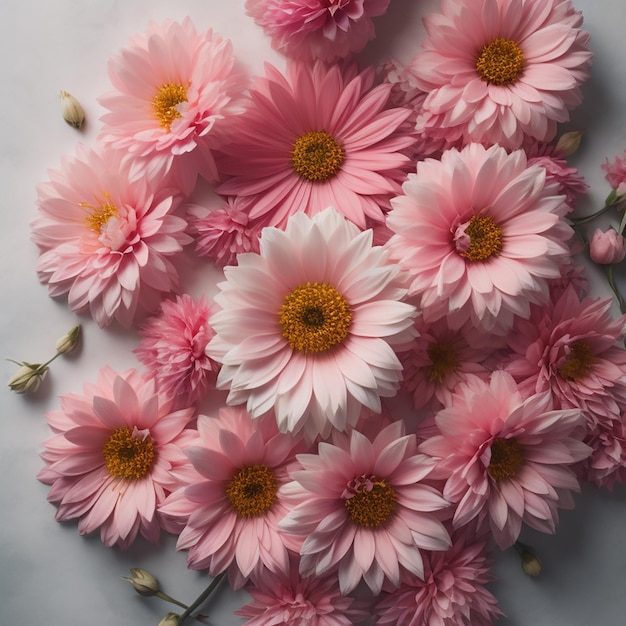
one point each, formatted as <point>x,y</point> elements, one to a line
<point>607,247</point>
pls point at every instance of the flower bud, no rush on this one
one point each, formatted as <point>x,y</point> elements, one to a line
<point>27,378</point>
<point>68,342</point>
<point>569,143</point>
<point>144,582</point>
<point>73,113</point>
<point>607,247</point>
<point>171,619</point>
<point>530,563</point>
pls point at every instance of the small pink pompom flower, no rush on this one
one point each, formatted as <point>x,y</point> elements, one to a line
<point>117,452</point>
<point>172,347</point>
<point>317,29</point>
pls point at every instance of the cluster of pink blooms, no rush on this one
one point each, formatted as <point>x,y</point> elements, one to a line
<point>407,234</point>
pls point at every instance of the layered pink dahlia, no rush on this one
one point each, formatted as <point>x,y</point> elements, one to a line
<point>115,455</point>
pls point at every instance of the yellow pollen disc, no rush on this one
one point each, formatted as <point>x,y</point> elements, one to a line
<point>127,456</point>
<point>372,508</point>
<point>98,216</point>
<point>252,490</point>
<point>579,362</point>
<point>500,62</point>
<point>314,317</point>
<point>317,156</point>
<point>444,361</point>
<point>485,238</point>
<point>506,459</point>
<point>165,102</point>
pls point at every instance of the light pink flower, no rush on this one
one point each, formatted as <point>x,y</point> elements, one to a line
<point>230,510</point>
<point>499,71</point>
<point>172,347</point>
<point>506,459</point>
<point>480,234</point>
<point>175,92</point>
<point>317,29</point>
<point>452,593</point>
<point>115,455</point>
<point>105,241</point>
<point>607,247</point>
<point>307,326</point>
<point>616,174</point>
<point>363,509</point>
<point>606,466</point>
<point>316,138</point>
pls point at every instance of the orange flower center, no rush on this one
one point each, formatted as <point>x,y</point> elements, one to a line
<point>444,361</point>
<point>500,62</point>
<point>506,459</point>
<point>129,453</point>
<point>252,490</point>
<point>164,103</point>
<point>98,216</point>
<point>578,363</point>
<point>317,156</point>
<point>479,239</point>
<point>370,501</point>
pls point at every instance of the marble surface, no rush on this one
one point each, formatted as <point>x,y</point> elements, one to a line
<point>48,573</point>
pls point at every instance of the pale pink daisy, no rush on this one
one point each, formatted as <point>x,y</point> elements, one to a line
<point>319,137</point>
<point>115,455</point>
<point>500,71</point>
<point>173,344</point>
<point>317,29</point>
<point>480,232</point>
<point>175,92</point>
<point>307,327</point>
<point>107,242</point>
<point>505,459</point>
<point>453,591</point>
<point>229,512</point>
<point>364,509</point>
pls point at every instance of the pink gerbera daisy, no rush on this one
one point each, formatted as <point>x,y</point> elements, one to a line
<point>174,90</point>
<point>307,326</point>
<point>317,29</point>
<point>506,459</point>
<point>480,232</point>
<point>173,348</point>
<point>363,508</point>
<point>106,241</point>
<point>115,455</point>
<point>499,71</point>
<point>313,139</point>
<point>229,511</point>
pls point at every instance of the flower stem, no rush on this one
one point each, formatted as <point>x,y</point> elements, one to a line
<point>589,218</point>
<point>611,280</point>
<point>164,596</point>
<point>201,598</point>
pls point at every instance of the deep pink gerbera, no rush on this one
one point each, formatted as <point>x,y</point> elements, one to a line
<point>105,241</point>
<point>317,29</point>
<point>316,138</point>
<point>364,509</point>
<point>480,233</point>
<point>173,345</point>
<point>229,511</point>
<point>175,90</point>
<point>499,71</point>
<point>115,455</point>
<point>506,459</point>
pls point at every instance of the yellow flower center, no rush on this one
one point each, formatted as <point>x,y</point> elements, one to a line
<point>317,156</point>
<point>485,238</point>
<point>164,103</point>
<point>500,62</point>
<point>314,317</point>
<point>370,501</point>
<point>444,360</point>
<point>506,459</point>
<point>252,490</point>
<point>128,453</point>
<point>578,363</point>
<point>98,216</point>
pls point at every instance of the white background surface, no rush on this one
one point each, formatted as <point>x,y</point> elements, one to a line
<point>48,573</point>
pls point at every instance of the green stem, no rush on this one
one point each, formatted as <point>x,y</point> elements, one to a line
<point>611,280</point>
<point>201,598</point>
<point>164,596</point>
<point>589,218</point>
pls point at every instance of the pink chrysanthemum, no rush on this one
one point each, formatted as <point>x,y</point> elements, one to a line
<point>173,348</point>
<point>106,241</point>
<point>363,509</point>
<point>317,29</point>
<point>480,233</point>
<point>307,326</point>
<point>499,71</point>
<point>289,599</point>
<point>452,593</point>
<point>115,456</point>
<point>174,90</point>
<point>606,466</point>
<point>314,139</point>
<point>616,174</point>
<point>506,459</point>
<point>223,233</point>
<point>231,509</point>
<point>574,349</point>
